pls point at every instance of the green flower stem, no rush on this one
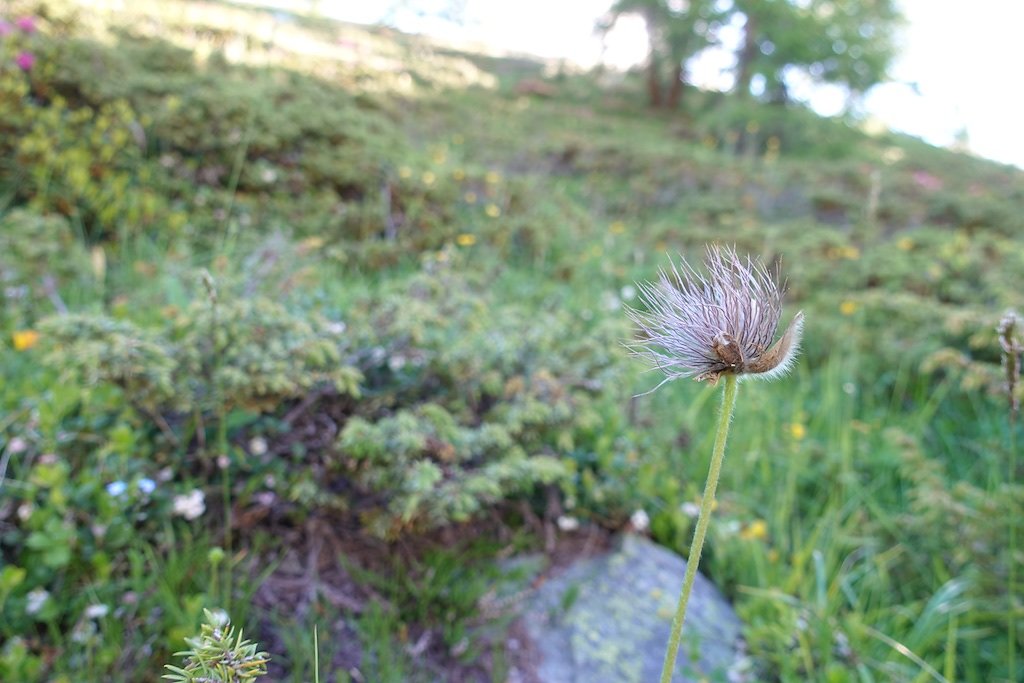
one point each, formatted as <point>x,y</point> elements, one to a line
<point>724,418</point>
<point>1011,652</point>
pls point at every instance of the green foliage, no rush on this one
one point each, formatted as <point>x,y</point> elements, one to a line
<point>83,162</point>
<point>214,356</point>
<point>420,460</point>
<point>497,400</point>
<point>851,42</point>
<point>217,655</point>
<point>755,130</point>
<point>92,349</point>
<point>416,321</point>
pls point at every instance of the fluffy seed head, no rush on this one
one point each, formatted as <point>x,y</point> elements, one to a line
<point>706,326</point>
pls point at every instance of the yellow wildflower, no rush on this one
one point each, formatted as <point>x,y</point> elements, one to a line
<point>905,244</point>
<point>405,172</point>
<point>470,197</point>
<point>25,339</point>
<point>848,307</point>
<point>458,174</point>
<point>492,210</point>
<point>617,227</point>
<point>755,531</point>
<point>797,431</point>
<point>465,240</point>
<point>492,178</point>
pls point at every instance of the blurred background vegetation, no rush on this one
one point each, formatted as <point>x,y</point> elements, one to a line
<point>318,323</point>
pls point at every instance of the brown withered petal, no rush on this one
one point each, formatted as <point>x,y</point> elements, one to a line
<point>723,322</point>
<point>1010,340</point>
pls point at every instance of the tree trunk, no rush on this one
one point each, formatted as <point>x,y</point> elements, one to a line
<point>653,83</point>
<point>778,92</point>
<point>675,91</point>
<point>745,59</point>
<point>654,94</point>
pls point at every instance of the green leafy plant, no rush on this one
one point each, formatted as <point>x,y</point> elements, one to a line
<point>218,655</point>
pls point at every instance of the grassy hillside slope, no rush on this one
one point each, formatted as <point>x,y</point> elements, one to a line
<point>303,318</point>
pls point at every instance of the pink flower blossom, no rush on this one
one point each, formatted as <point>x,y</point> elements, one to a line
<point>5,28</point>
<point>927,181</point>
<point>25,61</point>
<point>26,24</point>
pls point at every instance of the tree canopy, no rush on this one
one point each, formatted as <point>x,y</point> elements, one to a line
<point>845,42</point>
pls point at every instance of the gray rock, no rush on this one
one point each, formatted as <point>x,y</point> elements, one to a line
<point>607,620</point>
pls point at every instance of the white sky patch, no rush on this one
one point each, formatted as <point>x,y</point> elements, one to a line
<point>963,58</point>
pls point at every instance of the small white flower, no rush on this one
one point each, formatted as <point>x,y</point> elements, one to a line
<point>25,511</point>
<point>337,327</point>
<point>257,445</point>
<point>690,509</point>
<point>36,599</point>
<point>740,671</point>
<point>117,488</point>
<point>628,293</point>
<point>265,498</point>
<point>640,520</point>
<point>568,524</point>
<point>843,645</point>
<point>17,445</point>
<point>83,632</point>
<point>190,505</point>
<point>96,611</point>
<point>219,618</point>
<point>146,486</point>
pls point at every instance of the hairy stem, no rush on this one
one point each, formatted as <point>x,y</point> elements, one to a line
<point>1011,652</point>
<point>724,418</point>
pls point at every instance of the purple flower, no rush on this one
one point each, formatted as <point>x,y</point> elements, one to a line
<point>706,326</point>
<point>25,61</point>
<point>26,24</point>
<point>5,28</point>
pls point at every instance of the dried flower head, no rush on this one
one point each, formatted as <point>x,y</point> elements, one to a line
<point>706,326</point>
<point>1010,335</point>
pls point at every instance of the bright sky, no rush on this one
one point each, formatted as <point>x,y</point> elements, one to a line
<point>963,58</point>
